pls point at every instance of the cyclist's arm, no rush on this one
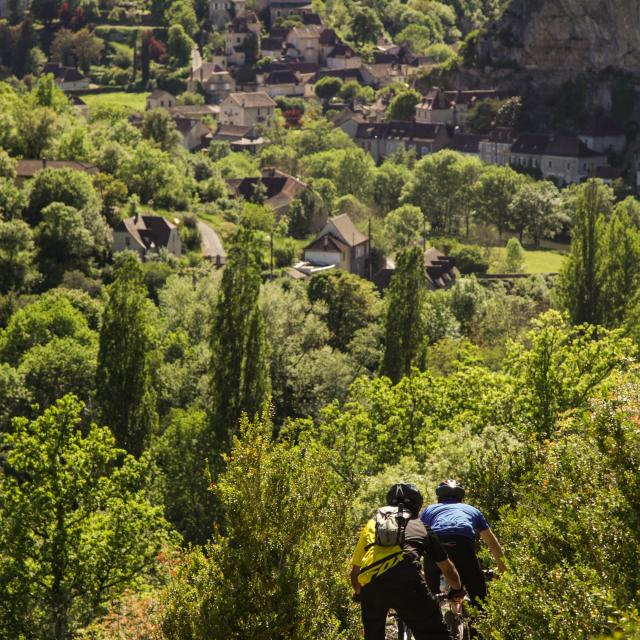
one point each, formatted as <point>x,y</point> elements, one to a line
<point>491,541</point>
<point>355,571</point>
<point>450,573</point>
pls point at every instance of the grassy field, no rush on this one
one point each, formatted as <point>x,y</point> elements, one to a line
<point>135,101</point>
<point>541,261</point>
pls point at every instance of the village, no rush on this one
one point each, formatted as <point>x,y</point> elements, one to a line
<point>268,65</point>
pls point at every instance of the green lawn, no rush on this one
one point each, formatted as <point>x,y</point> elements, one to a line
<point>135,101</point>
<point>537,261</point>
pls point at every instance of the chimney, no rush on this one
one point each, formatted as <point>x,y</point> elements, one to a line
<point>44,163</point>
<point>446,249</point>
<point>201,74</point>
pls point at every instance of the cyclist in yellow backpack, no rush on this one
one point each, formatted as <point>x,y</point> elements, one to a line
<point>386,567</point>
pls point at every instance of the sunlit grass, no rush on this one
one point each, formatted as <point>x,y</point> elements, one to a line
<point>134,101</point>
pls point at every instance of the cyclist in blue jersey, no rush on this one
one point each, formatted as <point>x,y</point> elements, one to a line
<point>456,524</point>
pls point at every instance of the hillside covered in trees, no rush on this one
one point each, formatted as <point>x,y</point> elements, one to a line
<point>190,441</point>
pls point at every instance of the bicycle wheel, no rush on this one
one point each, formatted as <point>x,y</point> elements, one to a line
<point>452,623</point>
<point>404,633</point>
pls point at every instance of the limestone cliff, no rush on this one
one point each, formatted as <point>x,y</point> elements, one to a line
<point>567,37</point>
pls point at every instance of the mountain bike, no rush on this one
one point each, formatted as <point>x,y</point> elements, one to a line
<point>454,611</point>
<point>455,616</point>
<point>400,630</point>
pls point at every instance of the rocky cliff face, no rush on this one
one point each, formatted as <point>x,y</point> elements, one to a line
<point>567,37</point>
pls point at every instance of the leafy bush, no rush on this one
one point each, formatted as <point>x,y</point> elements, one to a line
<point>278,569</point>
<point>469,260</point>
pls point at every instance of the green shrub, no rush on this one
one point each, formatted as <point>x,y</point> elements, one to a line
<point>469,260</point>
<point>278,571</point>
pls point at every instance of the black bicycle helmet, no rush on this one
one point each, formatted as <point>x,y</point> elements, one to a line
<point>450,489</point>
<point>405,494</point>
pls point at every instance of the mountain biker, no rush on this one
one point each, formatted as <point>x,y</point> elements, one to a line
<point>389,577</point>
<point>456,524</point>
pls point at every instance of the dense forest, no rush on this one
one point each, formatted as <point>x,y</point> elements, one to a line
<point>188,452</point>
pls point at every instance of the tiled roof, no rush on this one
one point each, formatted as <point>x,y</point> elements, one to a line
<point>147,231</point>
<point>272,44</point>
<point>465,142</point>
<point>311,18</point>
<point>329,37</point>
<point>233,131</point>
<point>312,31</point>
<point>530,143</point>
<point>328,243</point>
<point>281,77</point>
<point>569,147</point>
<point>342,50</point>
<point>399,130</point>
<point>252,99</point>
<point>28,168</point>
<point>159,94</point>
<point>347,230</point>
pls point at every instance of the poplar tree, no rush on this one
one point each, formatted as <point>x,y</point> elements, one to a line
<point>240,380</point>
<point>580,284</point>
<point>126,398</point>
<point>405,326</point>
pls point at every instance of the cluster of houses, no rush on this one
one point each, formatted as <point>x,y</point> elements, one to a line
<point>564,159</point>
<point>293,58</point>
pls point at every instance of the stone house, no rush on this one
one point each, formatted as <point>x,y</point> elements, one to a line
<point>216,82</point>
<point>340,245</point>
<point>342,56</point>
<point>238,32</point>
<point>381,139</point>
<point>285,8</point>
<point>282,83</point>
<point>527,150</point>
<point>26,169</point>
<point>568,160</point>
<point>306,40</point>
<point>280,189</point>
<point>327,41</point>
<point>496,147</point>
<point>272,47</point>
<point>247,109</point>
<point>145,235</point>
<point>563,159</point>
<point>451,107</point>
<point>223,11</point>
<point>67,78</point>
<point>192,132</point>
<point>381,74</point>
<point>467,144</point>
<point>160,99</point>
<point>348,121</point>
<point>604,137</point>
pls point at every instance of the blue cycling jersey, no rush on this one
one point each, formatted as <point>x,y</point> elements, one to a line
<point>454,518</point>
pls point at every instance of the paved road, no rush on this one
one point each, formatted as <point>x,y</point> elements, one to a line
<point>211,243</point>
